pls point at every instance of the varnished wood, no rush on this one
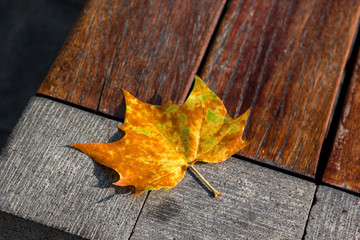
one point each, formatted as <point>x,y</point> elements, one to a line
<point>343,168</point>
<point>150,48</point>
<point>285,60</point>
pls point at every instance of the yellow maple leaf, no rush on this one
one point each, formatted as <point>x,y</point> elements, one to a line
<point>162,141</point>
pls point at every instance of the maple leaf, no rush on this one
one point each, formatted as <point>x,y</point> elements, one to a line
<point>162,141</point>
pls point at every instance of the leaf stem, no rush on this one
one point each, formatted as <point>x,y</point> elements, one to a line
<point>216,193</point>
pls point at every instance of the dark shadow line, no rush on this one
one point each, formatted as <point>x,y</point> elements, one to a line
<point>276,167</point>
<point>212,38</point>
<point>138,216</point>
<point>313,202</point>
<point>80,107</point>
<point>340,189</point>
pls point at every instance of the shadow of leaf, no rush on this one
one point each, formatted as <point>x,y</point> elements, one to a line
<point>116,136</point>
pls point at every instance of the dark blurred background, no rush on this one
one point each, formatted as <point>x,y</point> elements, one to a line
<point>31,35</point>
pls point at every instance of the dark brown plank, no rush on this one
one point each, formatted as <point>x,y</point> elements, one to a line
<point>150,48</point>
<point>343,168</point>
<point>284,59</point>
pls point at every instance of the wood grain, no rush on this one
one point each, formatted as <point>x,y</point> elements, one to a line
<point>285,60</point>
<point>256,203</point>
<point>343,168</point>
<point>150,48</point>
<point>335,215</point>
<point>45,181</point>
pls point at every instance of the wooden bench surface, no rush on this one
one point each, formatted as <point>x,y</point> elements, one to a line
<point>43,181</point>
<point>284,59</point>
<point>150,48</point>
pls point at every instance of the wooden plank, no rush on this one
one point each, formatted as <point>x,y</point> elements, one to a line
<point>256,203</point>
<point>150,48</point>
<point>43,181</point>
<point>343,168</point>
<point>335,215</point>
<point>285,60</point>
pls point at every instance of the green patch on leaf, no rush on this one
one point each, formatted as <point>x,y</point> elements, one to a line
<point>183,117</point>
<point>210,141</point>
<point>171,109</point>
<point>185,132</point>
<point>142,131</point>
<point>213,95</point>
<point>235,128</point>
<point>212,117</point>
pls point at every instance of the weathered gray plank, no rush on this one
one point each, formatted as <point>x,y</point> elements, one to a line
<point>256,203</point>
<point>335,215</point>
<point>43,181</point>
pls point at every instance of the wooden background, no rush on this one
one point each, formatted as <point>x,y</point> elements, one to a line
<point>150,48</point>
<point>284,59</point>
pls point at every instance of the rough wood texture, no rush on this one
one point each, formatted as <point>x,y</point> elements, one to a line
<point>335,215</point>
<point>44,181</point>
<point>343,168</point>
<point>284,59</point>
<point>150,48</point>
<point>256,203</point>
